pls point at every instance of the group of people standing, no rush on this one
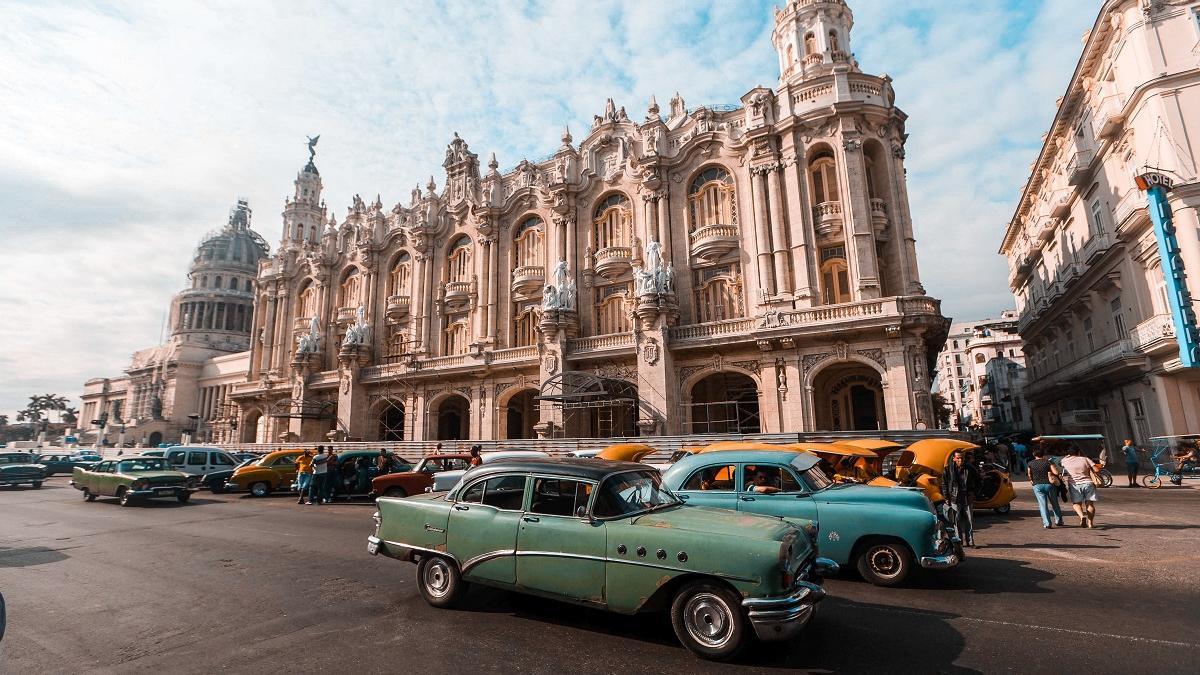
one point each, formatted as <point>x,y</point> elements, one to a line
<point>313,477</point>
<point>1075,480</point>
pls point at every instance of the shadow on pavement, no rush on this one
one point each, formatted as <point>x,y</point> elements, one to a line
<point>32,555</point>
<point>986,576</point>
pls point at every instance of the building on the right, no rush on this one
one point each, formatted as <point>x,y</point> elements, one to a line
<point>1111,202</point>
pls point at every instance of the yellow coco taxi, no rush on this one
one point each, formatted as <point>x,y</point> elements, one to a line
<point>625,452</point>
<point>274,472</point>
<point>880,448</point>
<point>922,463</point>
<point>843,463</point>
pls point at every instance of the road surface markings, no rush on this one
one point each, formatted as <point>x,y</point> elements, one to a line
<point>1030,626</point>
<point>1068,555</point>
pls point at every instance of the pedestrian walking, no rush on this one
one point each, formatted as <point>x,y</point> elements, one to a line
<point>362,473</point>
<point>383,462</point>
<point>1045,479</point>
<point>333,478</point>
<point>320,470</point>
<point>476,459</point>
<point>1021,454</point>
<point>1081,484</point>
<point>960,481</point>
<point>1131,461</point>
<point>303,473</point>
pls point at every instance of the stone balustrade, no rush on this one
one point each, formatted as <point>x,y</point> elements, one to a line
<point>612,261</point>
<point>1154,334</point>
<point>712,241</point>
<point>600,343</point>
<point>526,353</point>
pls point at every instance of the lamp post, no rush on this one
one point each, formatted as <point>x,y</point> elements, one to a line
<point>102,422</point>
<point>121,437</point>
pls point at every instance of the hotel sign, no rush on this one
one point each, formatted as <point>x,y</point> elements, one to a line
<point>1156,186</point>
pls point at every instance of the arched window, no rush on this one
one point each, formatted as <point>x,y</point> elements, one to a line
<point>791,55</point>
<point>718,293</point>
<point>810,44</point>
<point>204,282</point>
<point>833,42</point>
<point>458,260</point>
<point>217,282</point>
<point>249,285</point>
<point>980,358</point>
<point>711,199</point>
<point>351,291</point>
<point>307,302</point>
<point>611,316</point>
<point>527,243</point>
<point>823,171</point>
<point>455,338</point>
<point>525,327</point>
<point>835,276</point>
<point>612,222</point>
<point>400,278</point>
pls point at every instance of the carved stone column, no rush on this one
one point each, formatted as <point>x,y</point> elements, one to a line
<point>778,230</point>
<point>352,395</point>
<point>658,386</point>
<point>663,222</point>
<point>417,304</point>
<point>762,237</point>
<point>269,332</point>
<point>493,290</point>
<point>860,232</point>
<point>802,237</point>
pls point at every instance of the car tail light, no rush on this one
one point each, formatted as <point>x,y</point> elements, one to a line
<point>787,579</point>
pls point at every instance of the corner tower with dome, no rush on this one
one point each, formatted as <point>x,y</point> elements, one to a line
<point>179,387</point>
<point>731,268</point>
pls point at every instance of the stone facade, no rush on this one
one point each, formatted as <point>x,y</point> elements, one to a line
<point>1084,260</point>
<point>190,372</point>
<point>981,374</point>
<point>734,268</point>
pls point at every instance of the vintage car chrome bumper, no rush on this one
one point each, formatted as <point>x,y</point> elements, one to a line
<point>824,567</point>
<point>168,491</point>
<point>939,562</point>
<point>783,617</point>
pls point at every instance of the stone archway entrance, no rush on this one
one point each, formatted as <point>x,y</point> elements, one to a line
<point>390,420</point>
<point>586,405</point>
<point>452,418</point>
<point>155,438</point>
<point>252,427</point>
<point>521,414</point>
<point>849,397</point>
<point>724,403</point>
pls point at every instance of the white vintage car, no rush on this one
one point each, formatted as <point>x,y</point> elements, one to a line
<point>446,480</point>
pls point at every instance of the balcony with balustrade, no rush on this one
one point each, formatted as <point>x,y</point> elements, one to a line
<point>528,279</point>
<point>827,219</point>
<point>1120,357</point>
<point>879,219</point>
<point>1155,335</point>
<point>346,315</point>
<point>604,346</point>
<point>1079,168</point>
<point>612,261</point>
<point>398,306</point>
<point>1109,117</point>
<point>458,291</point>
<point>713,241</point>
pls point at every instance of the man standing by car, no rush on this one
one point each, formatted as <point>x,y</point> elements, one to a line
<point>303,473</point>
<point>1131,461</point>
<point>384,463</point>
<point>959,483</point>
<point>320,468</point>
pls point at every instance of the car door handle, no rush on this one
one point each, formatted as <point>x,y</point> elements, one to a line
<point>746,499</point>
<point>531,519</point>
<point>684,497</point>
<point>460,507</point>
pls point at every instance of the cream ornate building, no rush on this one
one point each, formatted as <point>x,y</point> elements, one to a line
<point>981,374</point>
<point>733,268</point>
<point>1105,329</point>
<point>182,384</point>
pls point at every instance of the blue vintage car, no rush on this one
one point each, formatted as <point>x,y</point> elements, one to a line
<point>884,532</point>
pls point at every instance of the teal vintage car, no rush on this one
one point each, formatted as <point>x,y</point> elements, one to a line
<point>884,532</point>
<point>132,480</point>
<point>608,535</point>
<point>17,468</point>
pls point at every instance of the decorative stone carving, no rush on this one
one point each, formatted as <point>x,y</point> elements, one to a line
<point>841,351</point>
<point>810,361</point>
<point>360,333</point>
<point>875,354</point>
<point>892,332</point>
<point>550,363</point>
<point>560,295</point>
<point>650,351</point>
<point>310,342</point>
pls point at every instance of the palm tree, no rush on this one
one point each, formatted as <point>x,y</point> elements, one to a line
<point>3,420</point>
<point>69,416</point>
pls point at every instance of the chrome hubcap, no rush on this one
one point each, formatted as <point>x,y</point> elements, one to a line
<point>437,578</point>
<point>708,620</point>
<point>884,561</point>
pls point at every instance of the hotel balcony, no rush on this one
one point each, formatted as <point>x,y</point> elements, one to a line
<point>613,261</point>
<point>302,323</point>
<point>1109,117</point>
<point>398,306</point>
<point>528,279</point>
<point>1060,207</point>
<point>1079,169</point>
<point>346,315</point>
<point>827,219</point>
<point>1155,335</point>
<point>879,219</point>
<point>457,291</point>
<point>1120,357</point>
<point>714,241</point>
<point>1096,246</point>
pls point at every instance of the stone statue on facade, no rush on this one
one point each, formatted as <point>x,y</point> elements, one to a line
<point>559,295</point>
<point>656,278</point>
<point>360,332</point>
<point>312,147</point>
<point>310,342</point>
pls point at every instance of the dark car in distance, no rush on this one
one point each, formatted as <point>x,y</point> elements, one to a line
<point>60,463</point>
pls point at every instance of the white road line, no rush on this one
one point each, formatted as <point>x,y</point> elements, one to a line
<point>1067,555</point>
<point>1030,626</point>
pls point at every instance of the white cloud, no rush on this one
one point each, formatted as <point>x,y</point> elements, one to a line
<point>128,130</point>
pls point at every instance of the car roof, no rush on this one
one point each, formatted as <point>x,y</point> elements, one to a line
<point>449,455</point>
<point>800,460</point>
<point>575,467</point>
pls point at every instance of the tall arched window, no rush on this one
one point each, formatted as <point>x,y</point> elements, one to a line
<point>833,42</point>
<point>711,199</point>
<point>718,293</point>
<point>400,278</point>
<point>810,44</point>
<point>525,326</point>
<point>527,243</point>
<point>835,276</point>
<point>612,222</point>
<point>823,171</point>
<point>458,260</point>
<point>611,316</point>
<point>351,290</point>
<point>307,302</point>
<point>455,339</point>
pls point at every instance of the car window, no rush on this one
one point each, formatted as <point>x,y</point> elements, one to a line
<point>816,479</point>
<point>631,492</point>
<point>768,478</point>
<point>197,458</point>
<point>719,478</point>
<point>10,459</point>
<point>221,459</point>
<point>560,497</point>
<point>175,457</point>
<point>457,464</point>
<point>285,460</point>
<point>504,492</point>
<point>142,464</point>
<point>103,467</point>
<point>473,494</point>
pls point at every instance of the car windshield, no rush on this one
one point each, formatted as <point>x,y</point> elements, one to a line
<point>632,492</point>
<point>142,464</point>
<point>816,479</point>
<point>13,459</point>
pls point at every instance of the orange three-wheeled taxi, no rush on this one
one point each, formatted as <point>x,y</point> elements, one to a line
<point>922,463</point>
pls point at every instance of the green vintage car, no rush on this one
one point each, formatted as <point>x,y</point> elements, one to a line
<point>18,468</point>
<point>132,480</point>
<point>884,532</point>
<point>607,535</point>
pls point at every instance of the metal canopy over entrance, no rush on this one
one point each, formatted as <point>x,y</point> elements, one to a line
<point>586,405</point>
<point>306,409</point>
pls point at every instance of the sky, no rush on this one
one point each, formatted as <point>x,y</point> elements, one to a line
<point>128,129</point>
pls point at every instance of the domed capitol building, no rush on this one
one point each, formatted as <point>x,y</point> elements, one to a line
<point>718,269</point>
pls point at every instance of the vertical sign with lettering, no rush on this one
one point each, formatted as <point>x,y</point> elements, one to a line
<point>1186,334</point>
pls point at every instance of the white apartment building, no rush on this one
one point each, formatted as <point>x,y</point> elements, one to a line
<point>981,374</point>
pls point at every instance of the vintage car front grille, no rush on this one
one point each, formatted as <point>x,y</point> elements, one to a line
<point>21,473</point>
<point>165,481</point>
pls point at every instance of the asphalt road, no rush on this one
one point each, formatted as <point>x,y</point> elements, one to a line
<point>230,583</point>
